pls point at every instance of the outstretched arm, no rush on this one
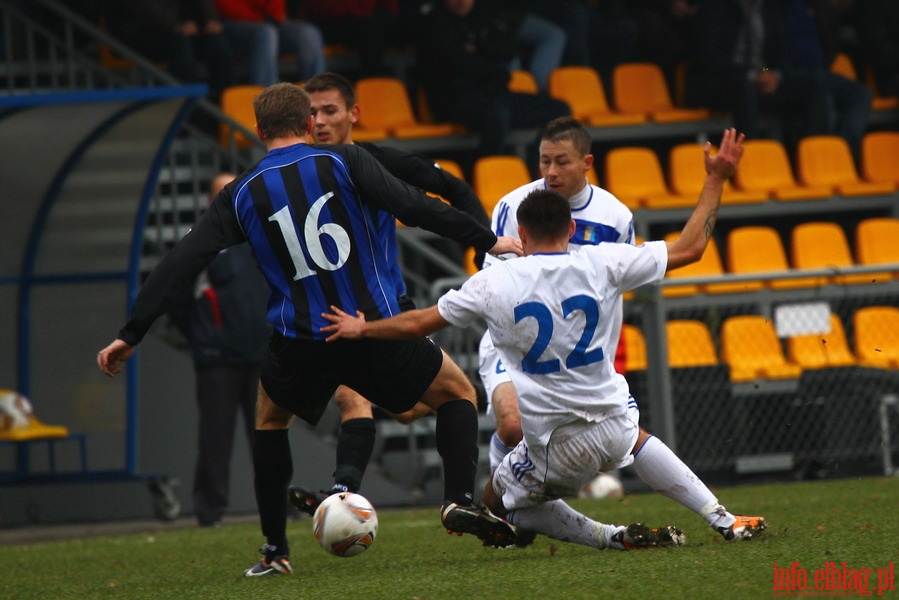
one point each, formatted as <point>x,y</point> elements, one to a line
<point>694,237</point>
<point>407,325</point>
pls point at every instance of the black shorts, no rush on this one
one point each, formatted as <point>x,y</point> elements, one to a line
<point>302,375</point>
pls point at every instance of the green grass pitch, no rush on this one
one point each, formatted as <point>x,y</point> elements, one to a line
<point>855,521</point>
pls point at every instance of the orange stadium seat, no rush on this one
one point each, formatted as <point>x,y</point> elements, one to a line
<point>686,176</point>
<point>495,176</point>
<point>876,336</point>
<point>581,88</point>
<point>750,347</point>
<point>826,160</point>
<point>842,65</point>
<point>635,348</point>
<point>386,106</point>
<point>877,242</point>
<point>880,157</point>
<point>635,176</point>
<point>690,344</point>
<point>237,103</point>
<point>756,249</point>
<point>822,350</point>
<point>707,266</point>
<point>523,82</point>
<point>641,89</point>
<point>820,245</point>
<point>766,168</point>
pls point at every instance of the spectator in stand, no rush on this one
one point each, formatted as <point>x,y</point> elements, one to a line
<point>180,33</point>
<point>366,26</point>
<point>464,52</point>
<point>811,43</point>
<point>877,22</point>
<point>260,31</point>
<point>600,34</point>
<point>741,65</point>
<point>541,41</point>
<point>665,30</point>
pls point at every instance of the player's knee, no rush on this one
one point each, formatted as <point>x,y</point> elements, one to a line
<point>493,501</point>
<point>413,414</point>
<point>351,405</point>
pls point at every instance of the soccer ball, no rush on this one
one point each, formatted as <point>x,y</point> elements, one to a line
<point>345,524</point>
<point>15,410</point>
<point>603,486</point>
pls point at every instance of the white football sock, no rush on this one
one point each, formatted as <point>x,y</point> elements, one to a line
<point>664,472</point>
<point>557,520</point>
<point>498,452</point>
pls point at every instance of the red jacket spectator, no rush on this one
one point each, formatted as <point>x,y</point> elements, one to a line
<point>252,10</point>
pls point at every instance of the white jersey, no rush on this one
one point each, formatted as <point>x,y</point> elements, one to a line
<point>599,217</point>
<point>551,318</point>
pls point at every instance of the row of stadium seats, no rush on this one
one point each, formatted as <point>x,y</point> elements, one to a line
<point>825,168</point>
<point>813,245</point>
<point>751,349</point>
<point>640,94</point>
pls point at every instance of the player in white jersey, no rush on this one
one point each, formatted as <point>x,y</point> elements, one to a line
<point>549,314</point>
<point>599,217</point>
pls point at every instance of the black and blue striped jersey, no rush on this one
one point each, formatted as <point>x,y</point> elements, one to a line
<point>321,221</point>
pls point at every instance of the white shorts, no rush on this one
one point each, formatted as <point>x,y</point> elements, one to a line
<point>491,369</point>
<point>575,454</point>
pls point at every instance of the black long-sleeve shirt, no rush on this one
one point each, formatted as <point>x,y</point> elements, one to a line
<point>321,222</point>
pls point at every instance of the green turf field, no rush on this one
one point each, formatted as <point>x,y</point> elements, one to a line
<point>855,521</point>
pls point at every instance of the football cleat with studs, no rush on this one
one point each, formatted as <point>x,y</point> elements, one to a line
<point>743,529</point>
<point>477,521</point>
<point>270,564</point>
<point>638,536</point>
<point>306,501</point>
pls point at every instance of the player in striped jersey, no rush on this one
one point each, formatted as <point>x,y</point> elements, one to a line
<point>335,111</point>
<point>321,223</point>
<point>551,316</point>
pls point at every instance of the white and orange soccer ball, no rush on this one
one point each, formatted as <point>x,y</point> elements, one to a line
<point>345,524</point>
<point>15,410</point>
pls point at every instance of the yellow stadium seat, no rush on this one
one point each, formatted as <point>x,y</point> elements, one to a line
<point>751,349</point>
<point>880,156</point>
<point>876,336</point>
<point>495,176</point>
<point>827,161</point>
<point>686,176</point>
<point>237,103</point>
<point>523,82</point>
<point>690,344</point>
<point>820,245</point>
<point>641,89</point>
<point>766,168</point>
<point>877,242</point>
<point>451,167</point>
<point>756,249</point>
<point>386,106</point>
<point>634,175</point>
<point>707,266</point>
<point>635,348</point>
<point>581,88</point>
<point>842,65</point>
<point>821,350</point>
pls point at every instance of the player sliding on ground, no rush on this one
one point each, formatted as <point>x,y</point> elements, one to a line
<point>546,315</point>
